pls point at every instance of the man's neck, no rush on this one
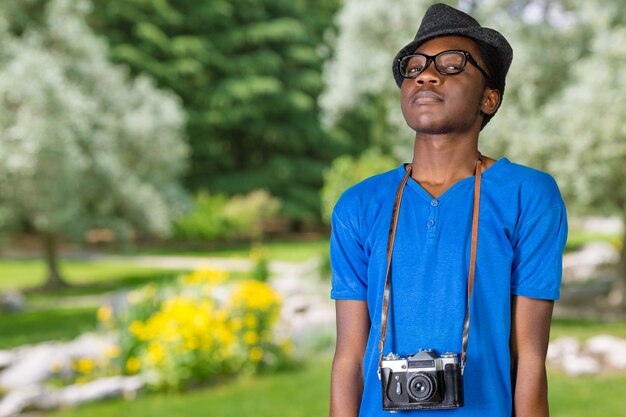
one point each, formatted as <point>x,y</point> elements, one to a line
<point>440,161</point>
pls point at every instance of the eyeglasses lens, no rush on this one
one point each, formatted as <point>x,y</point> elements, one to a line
<point>451,62</point>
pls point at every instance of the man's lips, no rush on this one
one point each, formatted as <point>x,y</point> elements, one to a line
<point>425,97</point>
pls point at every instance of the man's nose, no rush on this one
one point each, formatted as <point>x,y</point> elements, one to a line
<point>429,75</point>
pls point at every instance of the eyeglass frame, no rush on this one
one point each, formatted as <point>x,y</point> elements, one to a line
<point>432,58</point>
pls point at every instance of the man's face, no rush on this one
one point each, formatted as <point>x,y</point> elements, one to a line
<point>434,103</point>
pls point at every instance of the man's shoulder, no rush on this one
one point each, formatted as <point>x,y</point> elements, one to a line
<point>526,179</point>
<point>531,190</point>
<point>369,192</point>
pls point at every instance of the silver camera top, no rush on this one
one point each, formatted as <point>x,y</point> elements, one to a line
<point>423,361</point>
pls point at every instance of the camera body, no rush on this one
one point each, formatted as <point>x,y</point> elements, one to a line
<point>422,381</point>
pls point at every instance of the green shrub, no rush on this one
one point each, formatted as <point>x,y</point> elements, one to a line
<point>220,217</point>
<point>346,171</point>
<point>206,221</point>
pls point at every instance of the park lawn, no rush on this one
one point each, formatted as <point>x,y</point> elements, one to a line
<point>97,275</point>
<point>302,392</point>
<point>584,329</point>
<point>38,326</point>
<point>586,396</point>
<point>305,393</point>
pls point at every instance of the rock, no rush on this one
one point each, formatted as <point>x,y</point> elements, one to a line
<point>15,401</point>
<point>561,348</point>
<point>6,358</point>
<point>566,354</point>
<point>90,345</point>
<point>12,301</point>
<point>610,348</point>
<point>580,365</point>
<point>99,389</point>
<point>32,365</point>
<point>583,265</point>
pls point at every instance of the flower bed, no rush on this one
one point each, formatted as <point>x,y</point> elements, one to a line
<point>202,327</point>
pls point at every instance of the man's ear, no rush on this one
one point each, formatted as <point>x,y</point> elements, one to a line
<point>491,101</point>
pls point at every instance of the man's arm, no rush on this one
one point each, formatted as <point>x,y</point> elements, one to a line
<point>530,332</point>
<point>346,387</point>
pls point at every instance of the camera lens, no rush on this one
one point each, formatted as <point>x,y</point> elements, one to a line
<point>422,387</point>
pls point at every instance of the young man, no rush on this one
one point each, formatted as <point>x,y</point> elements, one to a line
<point>451,79</point>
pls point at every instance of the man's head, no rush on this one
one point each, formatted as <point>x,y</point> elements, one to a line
<point>493,49</point>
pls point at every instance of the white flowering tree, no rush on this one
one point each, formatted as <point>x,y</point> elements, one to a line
<point>585,126</point>
<point>370,34</point>
<point>82,144</point>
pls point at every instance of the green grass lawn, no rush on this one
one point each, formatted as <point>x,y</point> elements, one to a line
<point>44,325</point>
<point>305,393</point>
<point>584,329</point>
<point>94,275</point>
<point>297,393</point>
<point>587,396</point>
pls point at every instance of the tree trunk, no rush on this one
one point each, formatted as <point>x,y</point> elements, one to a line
<point>54,279</point>
<point>617,296</point>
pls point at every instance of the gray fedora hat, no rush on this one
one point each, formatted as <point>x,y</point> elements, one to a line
<point>441,20</point>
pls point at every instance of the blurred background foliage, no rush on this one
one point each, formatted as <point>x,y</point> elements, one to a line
<point>213,127</point>
<point>233,97</point>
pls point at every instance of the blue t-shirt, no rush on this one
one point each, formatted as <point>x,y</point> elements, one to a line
<point>522,233</point>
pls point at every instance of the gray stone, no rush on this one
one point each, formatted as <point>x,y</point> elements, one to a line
<point>17,400</point>
<point>610,348</point>
<point>584,264</point>
<point>6,358</point>
<point>99,389</point>
<point>580,365</point>
<point>12,301</point>
<point>32,365</point>
<point>561,348</point>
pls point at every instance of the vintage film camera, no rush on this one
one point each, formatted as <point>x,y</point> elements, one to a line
<point>421,381</point>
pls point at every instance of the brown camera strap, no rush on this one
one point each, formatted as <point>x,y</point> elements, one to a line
<point>472,263</point>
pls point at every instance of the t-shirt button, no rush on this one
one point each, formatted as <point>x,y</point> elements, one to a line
<point>434,203</point>
<point>431,223</point>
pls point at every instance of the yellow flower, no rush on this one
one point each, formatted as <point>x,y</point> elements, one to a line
<point>112,351</point>
<point>206,276</point>
<point>256,354</point>
<point>251,338</point>
<point>133,365</point>
<point>255,295</point>
<point>258,253</point>
<point>156,354</point>
<point>105,313</point>
<point>84,365</point>
<point>137,329</point>
<point>287,347</point>
<point>236,324</point>
<point>250,320</point>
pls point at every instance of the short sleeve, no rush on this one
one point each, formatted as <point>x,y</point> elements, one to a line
<point>538,255</point>
<point>348,262</point>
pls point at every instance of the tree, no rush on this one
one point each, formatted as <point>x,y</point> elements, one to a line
<point>584,126</point>
<point>249,76</point>
<point>359,76</point>
<point>83,144</point>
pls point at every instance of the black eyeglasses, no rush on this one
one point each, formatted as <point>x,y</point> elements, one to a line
<point>446,62</point>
